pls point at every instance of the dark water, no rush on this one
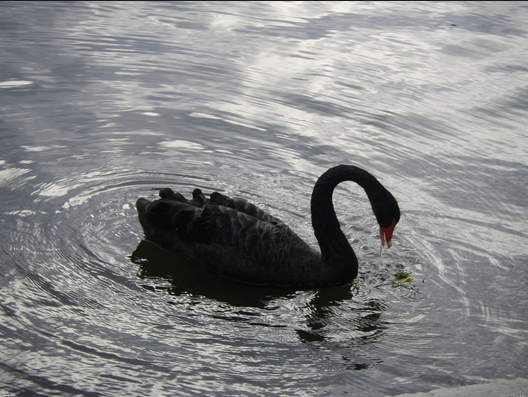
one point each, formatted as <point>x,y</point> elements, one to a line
<point>101,103</point>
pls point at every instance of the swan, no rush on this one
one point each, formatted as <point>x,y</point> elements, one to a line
<point>233,238</point>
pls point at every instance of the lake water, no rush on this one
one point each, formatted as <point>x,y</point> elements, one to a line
<point>101,103</point>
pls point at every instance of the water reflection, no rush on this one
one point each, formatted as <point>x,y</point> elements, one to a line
<point>315,312</point>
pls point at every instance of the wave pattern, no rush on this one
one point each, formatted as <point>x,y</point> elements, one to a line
<point>102,103</point>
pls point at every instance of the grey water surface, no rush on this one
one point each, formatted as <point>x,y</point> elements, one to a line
<point>104,102</point>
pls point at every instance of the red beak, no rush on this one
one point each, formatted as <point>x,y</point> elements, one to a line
<point>386,234</point>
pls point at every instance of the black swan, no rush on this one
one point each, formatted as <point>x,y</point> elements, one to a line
<point>237,240</point>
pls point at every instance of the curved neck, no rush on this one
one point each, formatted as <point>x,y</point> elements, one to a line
<point>336,251</point>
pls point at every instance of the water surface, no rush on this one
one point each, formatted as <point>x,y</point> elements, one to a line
<point>101,103</point>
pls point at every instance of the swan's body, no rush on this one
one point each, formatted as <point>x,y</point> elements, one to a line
<point>235,239</point>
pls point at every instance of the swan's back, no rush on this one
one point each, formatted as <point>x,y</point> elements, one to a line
<point>230,237</point>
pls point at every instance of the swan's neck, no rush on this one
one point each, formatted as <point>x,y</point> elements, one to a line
<point>336,252</point>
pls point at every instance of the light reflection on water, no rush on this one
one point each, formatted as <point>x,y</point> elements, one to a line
<point>104,102</point>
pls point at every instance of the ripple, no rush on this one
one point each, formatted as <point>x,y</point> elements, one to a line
<point>180,144</point>
<point>15,83</point>
<point>10,174</point>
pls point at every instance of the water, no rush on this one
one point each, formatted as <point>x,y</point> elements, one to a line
<point>101,103</point>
